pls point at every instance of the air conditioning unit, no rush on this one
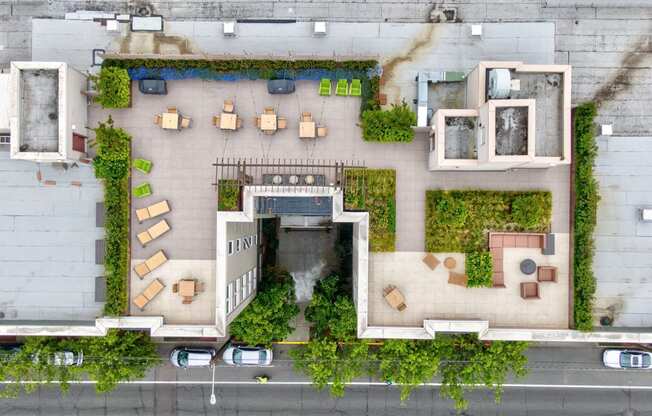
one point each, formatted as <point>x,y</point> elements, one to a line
<point>319,29</point>
<point>5,138</point>
<point>499,83</point>
<point>229,28</point>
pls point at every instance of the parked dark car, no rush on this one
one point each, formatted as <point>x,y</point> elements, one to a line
<point>153,86</point>
<point>280,86</point>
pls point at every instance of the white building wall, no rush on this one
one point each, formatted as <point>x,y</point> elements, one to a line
<point>76,115</point>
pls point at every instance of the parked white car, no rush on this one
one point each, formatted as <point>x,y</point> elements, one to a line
<point>626,359</point>
<point>244,356</point>
<point>189,357</point>
<point>63,358</point>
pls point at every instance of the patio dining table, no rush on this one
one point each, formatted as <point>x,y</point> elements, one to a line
<point>268,122</point>
<point>170,121</point>
<point>228,121</point>
<point>307,129</point>
<point>394,297</point>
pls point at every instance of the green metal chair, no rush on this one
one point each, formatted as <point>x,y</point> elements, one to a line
<point>342,88</point>
<point>356,88</point>
<point>143,165</point>
<point>143,190</point>
<point>325,87</point>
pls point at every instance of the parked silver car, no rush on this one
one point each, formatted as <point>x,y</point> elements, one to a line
<point>626,359</point>
<point>188,357</point>
<point>244,356</point>
<point>62,358</point>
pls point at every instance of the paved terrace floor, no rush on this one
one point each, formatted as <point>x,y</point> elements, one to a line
<point>47,241</point>
<point>623,261</point>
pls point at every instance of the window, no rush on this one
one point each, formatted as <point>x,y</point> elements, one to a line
<point>229,298</point>
<point>237,245</point>
<point>237,293</point>
<point>230,248</point>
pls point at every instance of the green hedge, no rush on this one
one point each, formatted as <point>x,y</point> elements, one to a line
<point>393,125</point>
<point>374,190</point>
<point>234,65</point>
<point>479,269</point>
<point>112,166</point>
<point>586,203</point>
<point>228,195</point>
<point>114,87</point>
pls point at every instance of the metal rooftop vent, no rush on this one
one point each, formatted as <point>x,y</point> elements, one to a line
<point>319,29</point>
<point>229,28</point>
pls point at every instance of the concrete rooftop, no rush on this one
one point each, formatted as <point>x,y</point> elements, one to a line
<point>47,239</point>
<point>39,106</point>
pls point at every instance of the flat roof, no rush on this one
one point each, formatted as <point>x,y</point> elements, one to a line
<point>47,242</point>
<point>39,110</point>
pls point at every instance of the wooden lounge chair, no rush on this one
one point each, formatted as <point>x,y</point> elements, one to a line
<point>530,290</point>
<point>153,210</point>
<point>228,106</point>
<point>172,110</point>
<point>149,265</point>
<point>322,131</point>
<point>342,88</point>
<point>216,121</point>
<point>355,89</point>
<point>153,232</point>
<point>281,123</point>
<point>143,165</point>
<point>147,295</point>
<point>325,87</point>
<point>142,190</point>
<point>185,122</point>
<point>547,274</point>
<point>158,119</point>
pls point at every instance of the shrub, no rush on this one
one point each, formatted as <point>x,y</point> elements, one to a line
<point>479,269</point>
<point>530,210</point>
<point>114,87</point>
<point>112,165</point>
<point>485,211</point>
<point>267,318</point>
<point>228,196</point>
<point>374,190</point>
<point>394,125</point>
<point>586,202</point>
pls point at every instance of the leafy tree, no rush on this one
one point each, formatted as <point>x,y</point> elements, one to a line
<point>327,361</point>
<point>331,311</point>
<point>267,318</point>
<point>408,362</point>
<point>467,362</point>
<point>113,151</point>
<point>118,356</point>
<point>114,87</point>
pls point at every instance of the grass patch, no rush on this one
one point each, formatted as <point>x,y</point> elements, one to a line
<point>228,195</point>
<point>374,191</point>
<point>586,204</point>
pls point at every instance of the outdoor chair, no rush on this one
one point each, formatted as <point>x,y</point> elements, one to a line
<point>185,122</point>
<point>282,123</point>
<point>257,121</point>
<point>547,274</point>
<point>238,123</point>
<point>431,261</point>
<point>157,119</point>
<point>228,106</point>
<point>356,88</point>
<point>143,165</point>
<point>458,279</point>
<point>175,288</point>
<point>216,121</point>
<point>153,210</point>
<point>322,131</point>
<point>325,87</point>
<point>143,190</point>
<point>342,88</point>
<point>199,287</point>
<point>187,301</point>
<point>155,261</point>
<point>530,290</point>
<point>153,232</point>
<point>306,116</point>
<point>269,110</point>
<point>172,110</point>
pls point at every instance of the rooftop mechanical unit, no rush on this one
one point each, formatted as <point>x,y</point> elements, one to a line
<point>500,83</point>
<point>319,29</point>
<point>229,28</point>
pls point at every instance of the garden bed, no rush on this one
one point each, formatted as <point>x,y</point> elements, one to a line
<point>374,191</point>
<point>228,195</point>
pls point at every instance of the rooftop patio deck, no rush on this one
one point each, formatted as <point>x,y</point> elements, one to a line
<point>428,295</point>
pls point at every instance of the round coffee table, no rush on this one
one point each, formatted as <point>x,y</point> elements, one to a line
<point>528,266</point>
<point>450,263</point>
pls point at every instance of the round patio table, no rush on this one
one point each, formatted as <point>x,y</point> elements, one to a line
<point>528,266</point>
